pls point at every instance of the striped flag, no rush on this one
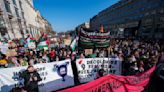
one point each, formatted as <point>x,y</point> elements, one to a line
<point>43,45</point>
<point>43,42</point>
<point>74,44</point>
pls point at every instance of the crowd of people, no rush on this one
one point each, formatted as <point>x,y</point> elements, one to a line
<point>136,56</point>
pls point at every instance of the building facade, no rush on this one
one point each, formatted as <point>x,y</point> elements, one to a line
<point>135,17</point>
<point>19,18</point>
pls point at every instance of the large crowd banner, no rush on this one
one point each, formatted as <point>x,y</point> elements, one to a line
<point>88,67</point>
<point>54,76</point>
<point>90,39</point>
<point>115,83</point>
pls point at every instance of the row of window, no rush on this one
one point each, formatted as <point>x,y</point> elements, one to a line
<point>133,11</point>
<point>132,8</point>
<point>8,9</point>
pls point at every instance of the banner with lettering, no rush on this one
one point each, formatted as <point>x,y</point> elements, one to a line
<point>114,83</point>
<point>88,68</point>
<point>54,76</point>
<point>92,39</point>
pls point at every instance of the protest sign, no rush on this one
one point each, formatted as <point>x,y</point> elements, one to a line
<point>88,68</point>
<point>11,52</point>
<point>95,33</point>
<point>93,39</point>
<point>88,51</point>
<point>32,45</point>
<point>54,76</point>
<point>114,83</point>
<point>67,41</point>
<point>4,48</point>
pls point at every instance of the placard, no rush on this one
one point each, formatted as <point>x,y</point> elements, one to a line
<point>11,52</point>
<point>88,51</point>
<point>93,39</point>
<point>67,41</point>
<point>88,68</point>
<point>4,48</point>
<point>51,74</point>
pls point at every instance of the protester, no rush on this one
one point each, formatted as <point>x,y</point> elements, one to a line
<point>156,83</point>
<point>31,79</point>
<point>129,51</point>
<point>133,69</point>
<point>46,58</point>
<point>52,55</point>
<point>82,56</point>
<point>137,56</point>
<point>14,62</point>
<point>3,61</point>
<point>141,66</point>
<point>101,73</point>
<point>22,62</point>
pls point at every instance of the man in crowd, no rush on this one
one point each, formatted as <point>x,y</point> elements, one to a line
<point>156,83</point>
<point>31,79</point>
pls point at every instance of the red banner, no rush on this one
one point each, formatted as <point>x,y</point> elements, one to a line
<point>114,83</point>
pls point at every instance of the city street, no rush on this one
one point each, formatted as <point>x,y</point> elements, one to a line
<point>81,46</point>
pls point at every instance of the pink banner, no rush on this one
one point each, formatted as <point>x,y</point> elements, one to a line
<point>114,83</point>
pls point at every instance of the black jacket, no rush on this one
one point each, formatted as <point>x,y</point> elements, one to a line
<point>156,83</point>
<point>30,85</point>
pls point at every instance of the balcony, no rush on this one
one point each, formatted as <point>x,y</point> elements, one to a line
<point>10,15</point>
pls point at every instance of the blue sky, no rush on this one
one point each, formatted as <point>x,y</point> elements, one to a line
<point>67,14</point>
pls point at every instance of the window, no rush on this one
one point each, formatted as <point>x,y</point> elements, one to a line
<point>2,24</point>
<point>14,2</point>
<point>7,6</point>
<point>16,11</point>
<point>23,15</point>
<point>20,3</point>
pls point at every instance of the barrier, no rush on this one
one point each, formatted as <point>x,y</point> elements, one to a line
<point>51,74</point>
<point>88,68</point>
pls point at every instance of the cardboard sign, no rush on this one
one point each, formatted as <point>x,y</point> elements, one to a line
<point>67,41</point>
<point>11,52</point>
<point>88,51</point>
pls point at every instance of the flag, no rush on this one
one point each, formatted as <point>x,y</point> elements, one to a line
<point>31,43</point>
<point>43,42</point>
<point>116,83</point>
<point>43,45</point>
<point>74,44</point>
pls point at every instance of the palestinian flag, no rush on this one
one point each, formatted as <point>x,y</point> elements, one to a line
<point>43,45</point>
<point>74,44</point>
<point>43,42</point>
